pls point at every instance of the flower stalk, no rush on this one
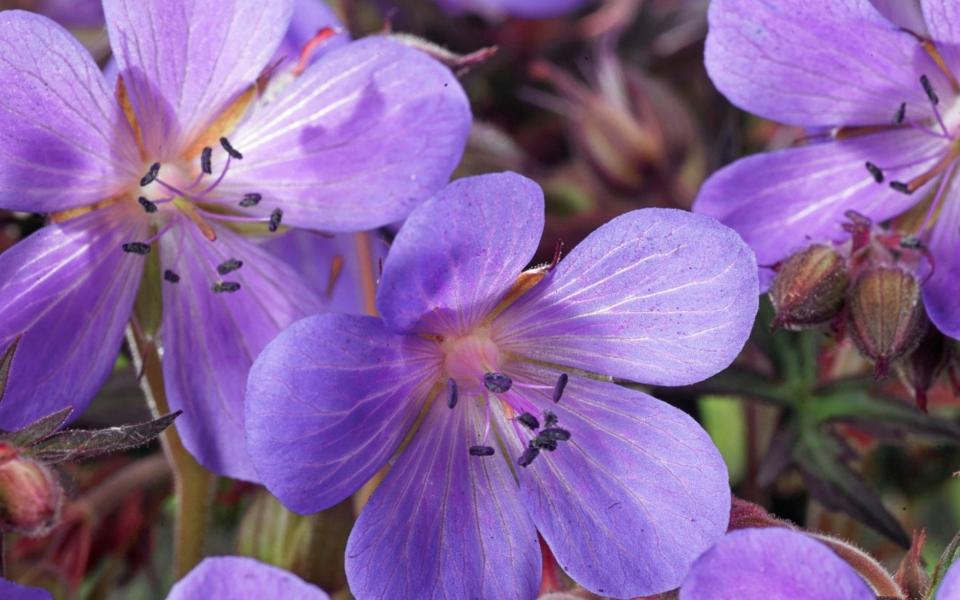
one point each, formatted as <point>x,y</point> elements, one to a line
<point>193,484</point>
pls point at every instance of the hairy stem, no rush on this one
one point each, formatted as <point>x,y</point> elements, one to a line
<point>193,484</point>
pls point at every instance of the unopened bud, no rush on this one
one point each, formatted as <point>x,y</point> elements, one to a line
<point>30,495</point>
<point>920,370</point>
<point>809,288</point>
<point>887,319</point>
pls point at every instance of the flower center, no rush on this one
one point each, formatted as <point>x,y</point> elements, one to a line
<point>170,192</point>
<point>469,357</point>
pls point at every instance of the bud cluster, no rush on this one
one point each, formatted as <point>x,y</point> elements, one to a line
<point>869,288</point>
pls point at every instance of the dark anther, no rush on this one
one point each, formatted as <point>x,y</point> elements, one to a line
<point>544,443</point>
<point>171,276</point>
<point>901,113</point>
<point>912,242</point>
<point>481,451</point>
<point>528,455</point>
<point>225,286</point>
<point>136,248</point>
<point>549,419</point>
<point>151,175</point>
<point>529,420</point>
<point>230,149</point>
<point>901,187</point>
<point>555,434</point>
<point>205,155</point>
<point>147,205</point>
<point>875,172</point>
<point>275,217</point>
<point>928,88</point>
<point>498,383</point>
<point>559,387</point>
<point>229,266</point>
<point>452,398</point>
<point>251,200</point>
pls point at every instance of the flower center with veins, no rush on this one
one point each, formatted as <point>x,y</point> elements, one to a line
<point>473,367</point>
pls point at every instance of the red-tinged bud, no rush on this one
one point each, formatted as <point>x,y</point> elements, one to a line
<point>887,319</point>
<point>809,288</point>
<point>912,576</point>
<point>744,514</point>
<point>920,370</point>
<point>30,495</point>
<point>863,563</point>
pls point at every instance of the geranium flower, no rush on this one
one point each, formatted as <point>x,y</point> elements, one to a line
<point>238,577</point>
<point>772,563</point>
<point>504,387</point>
<point>882,95</point>
<point>171,170</point>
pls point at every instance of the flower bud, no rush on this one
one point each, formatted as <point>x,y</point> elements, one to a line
<point>920,370</point>
<point>30,495</point>
<point>887,319</point>
<point>809,288</point>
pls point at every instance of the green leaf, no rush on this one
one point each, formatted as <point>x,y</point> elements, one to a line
<point>6,364</point>
<point>39,429</point>
<point>81,444</point>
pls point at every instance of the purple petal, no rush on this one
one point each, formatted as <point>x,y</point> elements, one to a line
<point>365,134</point>
<point>445,524</point>
<point>73,13</point>
<point>949,588</point>
<point>656,296</point>
<point>905,14</point>
<point>635,495</point>
<point>782,201</point>
<point>309,17</point>
<point>772,562</point>
<point>242,578</point>
<point>184,62</point>
<point>328,402</point>
<point>211,339</point>
<point>331,265</point>
<point>63,141</point>
<point>13,591</point>
<point>817,62</point>
<point>943,288</point>
<point>68,290</point>
<point>943,21</point>
<point>526,9</point>
<point>458,253</point>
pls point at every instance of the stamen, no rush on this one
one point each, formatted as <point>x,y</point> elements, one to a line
<point>901,113</point>
<point>251,200</point>
<point>901,187</point>
<point>151,175</point>
<point>147,205</point>
<point>233,152</point>
<point>205,156</point>
<point>544,444</point>
<point>136,248</point>
<point>928,90</point>
<point>226,286</point>
<point>924,178</point>
<point>498,383</point>
<point>229,266</point>
<point>559,387</point>
<point>528,455</point>
<point>171,276</point>
<point>481,451</point>
<point>875,172</point>
<point>452,393</point>
<point>529,421</point>
<point>275,217</point>
<point>336,268</point>
<point>550,419</point>
<point>555,434</point>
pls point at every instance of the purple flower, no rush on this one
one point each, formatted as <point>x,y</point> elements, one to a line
<point>241,578</point>
<point>69,13</point>
<point>507,384</point>
<point>13,591</point>
<point>527,9</point>
<point>772,562</point>
<point>182,155</point>
<point>949,587</point>
<point>887,101</point>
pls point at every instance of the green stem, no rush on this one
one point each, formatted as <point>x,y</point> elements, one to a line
<point>193,484</point>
